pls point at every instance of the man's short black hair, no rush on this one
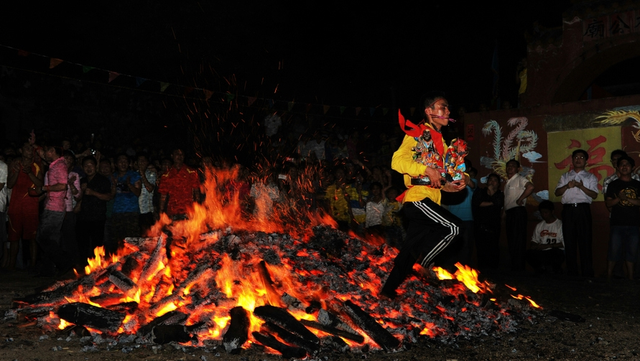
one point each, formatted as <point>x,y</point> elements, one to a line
<point>548,205</point>
<point>513,160</point>
<point>89,159</point>
<point>617,152</point>
<point>432,97</point>
<point>628,159</point>
<point>494,175</point>
<point>584,152</point>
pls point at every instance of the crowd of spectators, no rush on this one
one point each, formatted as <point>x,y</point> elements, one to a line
<point>113,192</point>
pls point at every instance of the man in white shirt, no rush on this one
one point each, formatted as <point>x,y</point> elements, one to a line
<point>547,243</point>
<point>516,191</point>
<point>578,188</point>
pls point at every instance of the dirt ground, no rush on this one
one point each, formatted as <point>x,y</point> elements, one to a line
<point>610,329</point>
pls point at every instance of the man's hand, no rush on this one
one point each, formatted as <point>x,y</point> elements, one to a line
<point>434,176</point>
<point>456,186</point>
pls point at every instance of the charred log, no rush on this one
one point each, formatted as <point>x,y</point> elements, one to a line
<point>167,333</point>
<point>132,263</point>
<point>286,350</point>
<point>151,266</point>
<point>91,316</point>
<point>333,331</point>
<point>369,325</point>
<point>108,299</point>
<point>284,319</point>
<point>124,283</point>
<point>290,338</point>
<point>266,279</point>
<point>169,318</point>
<point>29,312</point>
<point>56,295</point>
<point>238,332</point>
<point>125,307</point>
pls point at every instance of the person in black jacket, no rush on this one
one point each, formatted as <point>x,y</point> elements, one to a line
<point>487,205</point>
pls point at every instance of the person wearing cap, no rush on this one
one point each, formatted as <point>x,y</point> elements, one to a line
<point>431,228</point>
<point>578,188</point>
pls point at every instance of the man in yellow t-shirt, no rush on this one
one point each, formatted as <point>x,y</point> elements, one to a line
<point>431,228</point>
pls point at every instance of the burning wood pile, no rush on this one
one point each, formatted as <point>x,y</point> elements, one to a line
<point>240,287</point>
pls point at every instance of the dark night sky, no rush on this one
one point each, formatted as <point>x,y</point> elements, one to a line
<point>325,52</point>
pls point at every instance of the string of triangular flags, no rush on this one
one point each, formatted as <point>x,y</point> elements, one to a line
<point>209,95</point>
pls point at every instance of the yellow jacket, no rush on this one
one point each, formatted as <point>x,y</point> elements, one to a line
<point>404,163</point>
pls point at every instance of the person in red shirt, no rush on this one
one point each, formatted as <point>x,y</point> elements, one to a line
<point>178,187</point>
<point>25,177</point>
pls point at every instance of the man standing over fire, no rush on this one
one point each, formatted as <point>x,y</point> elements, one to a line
<point>179,187</point>
<point>431,228</point>
<point>577,188</point>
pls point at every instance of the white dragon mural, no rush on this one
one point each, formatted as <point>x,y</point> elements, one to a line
<point>504,150</point>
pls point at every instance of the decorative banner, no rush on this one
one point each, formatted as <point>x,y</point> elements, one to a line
<point>112,76</point>
<point>139,81</point>
<point>53,62</point>
<point>597,142</point>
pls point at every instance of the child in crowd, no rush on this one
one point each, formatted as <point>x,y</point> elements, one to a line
<point>547,243</point>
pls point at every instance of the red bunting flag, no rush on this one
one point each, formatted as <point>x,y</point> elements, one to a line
<point>53,62</point>
<point>325,108</point>
<point>358,109</point>
<point>113,75</point>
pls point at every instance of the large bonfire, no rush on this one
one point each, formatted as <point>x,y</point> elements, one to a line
<point>290,281</point>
